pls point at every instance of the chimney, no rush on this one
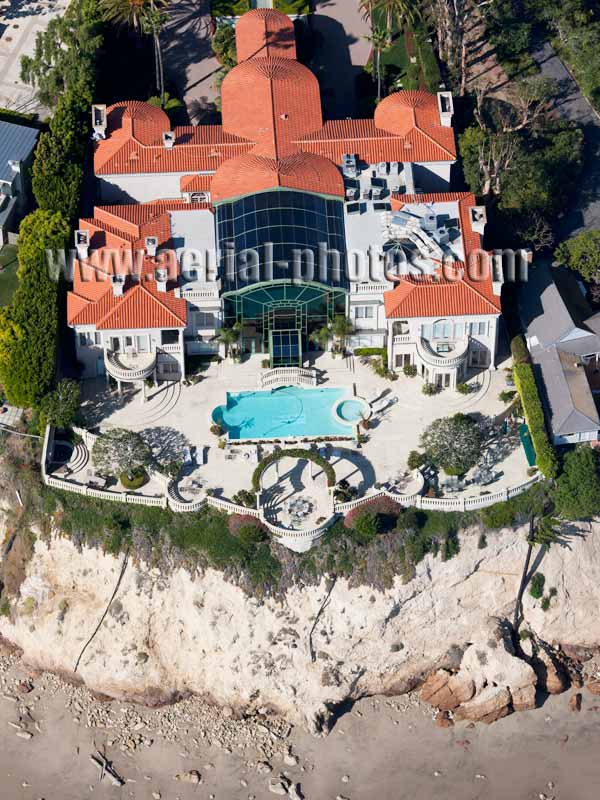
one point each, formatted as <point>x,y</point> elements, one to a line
<point>82,244</point>
<point>161,279</point>
<point>151,243</point>
<point>99,121</point>
<point>15,166</point>
<point>118,284</point>
<point>446,108</point>
<point>168,139</point>
<point>478,217</point>
<point>497,273</point>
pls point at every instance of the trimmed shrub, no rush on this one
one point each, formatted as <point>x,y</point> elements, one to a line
<point>534,415</point>
<point>410,370</point>
<point>415,459</point>
<point>293,452</point>
<point>520,353</point>
<point>370,351</point>
<point>136,480</point>
<point>367,526</point>
<point>245,498</point>
<point>463,388</point>
<point>430,389</point>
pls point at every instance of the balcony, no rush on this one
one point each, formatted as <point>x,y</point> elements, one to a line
<point>129,367</point>
<point>402,338</point>
<point>429,353</point>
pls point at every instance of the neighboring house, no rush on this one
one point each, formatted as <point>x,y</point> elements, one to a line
<point>276,179</point>
<point>563,336</point>
<point>17,143</point>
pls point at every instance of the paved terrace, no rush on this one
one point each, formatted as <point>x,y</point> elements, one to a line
<point>176,417</point>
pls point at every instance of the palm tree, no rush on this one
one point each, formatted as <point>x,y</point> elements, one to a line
<point>342,328</point>
<point>544,533</point>
<point>320,337</point>
<point>123,12</point>
<point>402,11</point>
<point>230,337</point>
<point>378,41</point>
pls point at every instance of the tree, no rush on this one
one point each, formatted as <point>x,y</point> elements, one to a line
<point>64,56</point>
<point>124,12</point>
<point>582,253</point>
<point>367,526</point>
<point>224,46</point>
<point>230,337</point>
<point>120,451</point>
<point>577,491</point>
<point>60,406</point>
<point>453,443</point>
<point>320,337</point>
<point>341,328</point>
<point>378,40</point>
<point>28,326</point>
<point>544,533</point>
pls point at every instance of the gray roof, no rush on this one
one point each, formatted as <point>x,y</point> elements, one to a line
<point>560,328</point>
<point>16,144</point>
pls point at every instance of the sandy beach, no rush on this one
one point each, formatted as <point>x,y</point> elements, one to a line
<point>385,748</point>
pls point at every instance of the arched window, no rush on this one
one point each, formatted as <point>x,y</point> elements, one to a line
<point>442,329</point>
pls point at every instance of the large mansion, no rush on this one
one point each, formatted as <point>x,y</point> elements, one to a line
<point>278,180</point>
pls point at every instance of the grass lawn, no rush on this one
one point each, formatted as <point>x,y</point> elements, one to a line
<point>8,275</point>
<point>424,74</point>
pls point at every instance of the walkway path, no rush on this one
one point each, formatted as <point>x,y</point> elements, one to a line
<point>572,105</point>
<point>189,60</point>
<point>340,53</point>
<point>483,67</point>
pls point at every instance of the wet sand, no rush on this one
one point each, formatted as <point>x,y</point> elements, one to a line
<point>388,748</point>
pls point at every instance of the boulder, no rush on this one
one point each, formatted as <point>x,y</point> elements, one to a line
<point>191,776</point>
<point>550,674</point>
<point>523,698</point>
<point>593,686</point>
<point>444,720</point>
<point>575,702</point>
<point>446,691</point>
<point>492,703</point>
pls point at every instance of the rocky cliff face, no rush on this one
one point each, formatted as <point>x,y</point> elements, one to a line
<point>321,646</point>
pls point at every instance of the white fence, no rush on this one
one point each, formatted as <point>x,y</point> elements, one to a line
<point>287,376</point>
<point>295,540</point>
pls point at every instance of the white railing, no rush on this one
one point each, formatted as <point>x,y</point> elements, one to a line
<point>369,288</point>
<point>207,291</point>
<point>171,348</point>
<point>88,438</point>
<point>402,338</point>
<point>454,359</point>
<point>121,372</point>
<point>288,376</point>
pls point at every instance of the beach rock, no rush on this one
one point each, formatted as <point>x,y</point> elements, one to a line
<point>523,699</point>
<point>551,676</point>
<point>446,691</point>
<point>444,720</point>
<point>278,787</point>
<point>593,686</point>
<point>489,705</point>
<point>575,701</point>
<point>294,792</point>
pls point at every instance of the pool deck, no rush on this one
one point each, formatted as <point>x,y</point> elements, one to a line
<point>178,416</point>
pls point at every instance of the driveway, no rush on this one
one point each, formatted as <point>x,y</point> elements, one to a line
<point>189,60</point>
<point>340,53</point>
<point>20,22</point>
<point>572,105</point>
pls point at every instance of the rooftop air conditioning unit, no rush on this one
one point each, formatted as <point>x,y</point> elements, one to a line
<point>151,243</point>
<point>168,138</point>
<point>82,244</point>
<point>478,219</point>
<point>99,121</point>
<point>199,197</point>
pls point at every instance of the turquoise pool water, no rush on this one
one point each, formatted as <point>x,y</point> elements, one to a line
<point>288,411</point>
<point>351,410</point>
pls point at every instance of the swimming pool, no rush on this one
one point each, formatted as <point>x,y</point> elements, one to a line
<point>288,411</point>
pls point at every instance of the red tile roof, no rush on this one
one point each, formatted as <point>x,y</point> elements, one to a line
<point>264,32</point>
<point>458,290</point>
<point>195,183</point>
<point>254,173</point>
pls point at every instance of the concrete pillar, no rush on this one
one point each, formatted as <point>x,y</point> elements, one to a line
<point>119,387</point>
<point>182,354</point>
<point>143,392</point>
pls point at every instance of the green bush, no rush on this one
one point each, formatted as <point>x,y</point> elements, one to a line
<point>410,370</point>
<point>230,8</point>
<point>430,389</point>
<point>536,587</point>
<point>519,350</point>
<point>507,396</point>
<point>534,414</point>
<point>577,491</point>
<point>415,459</point>
<point>294,452</point>
<point>370,351</point>
<point>367,526</point>
<point>463,388</point>
<point>223,45</point>
<point>245,498</point>
<point>136,480</point>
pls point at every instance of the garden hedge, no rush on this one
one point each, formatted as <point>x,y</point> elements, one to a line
<point>534,414</point>
<point>294,452</point>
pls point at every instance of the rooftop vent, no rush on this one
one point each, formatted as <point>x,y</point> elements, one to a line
<point>99,121</point>
<point>14,165</point>
<point>446,108</point>
<point>118,285</point>
<point>82,244</point>
<point>151,243</point>
<point>168,138</point>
